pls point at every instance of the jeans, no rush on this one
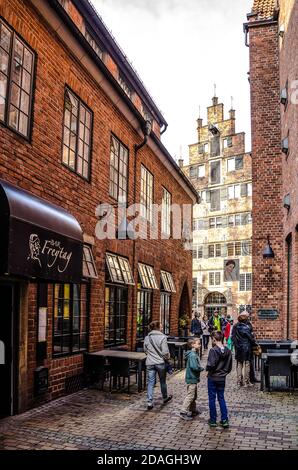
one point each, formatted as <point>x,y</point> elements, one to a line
<point>151,373</point>
<point>217,388</point>
<point>243,371</point>
<point>206,341</point>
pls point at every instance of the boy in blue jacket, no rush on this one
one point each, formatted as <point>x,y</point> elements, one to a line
<point>192,378</point>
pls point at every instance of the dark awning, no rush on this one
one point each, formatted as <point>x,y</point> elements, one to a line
<point>38,239</point>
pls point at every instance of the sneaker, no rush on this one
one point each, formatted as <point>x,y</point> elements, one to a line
<point>225,424</point>
<point>166,400</point>
<point>149,406</point>
<point>196,413</point>
<point>185,416</point>
<point>249,384</point>
<point>212,424</point>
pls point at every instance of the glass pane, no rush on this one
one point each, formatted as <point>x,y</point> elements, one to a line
<point>25,102</point>
<point>28,59</point>
<point>80,166</point>
<point>16,72</point>
<point>2,108</point>
<point>26,82</point>
<point>23,124</point>
<point>15,95</point>
<point>71,162</point>
<point>3,61</point>
<point>18,51</point>
<point>67,118</point>
<point>13,117</point>
<point>5,39</point>
<point>3,85</point>
<point>66,344</point>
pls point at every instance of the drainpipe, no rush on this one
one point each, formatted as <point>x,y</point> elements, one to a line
<point>147,131</point>
<point>164,129</point>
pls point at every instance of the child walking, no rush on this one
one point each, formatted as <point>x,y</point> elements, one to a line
<point>192,378</point>
<point>219,365</point>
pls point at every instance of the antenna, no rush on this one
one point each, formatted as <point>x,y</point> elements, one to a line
<point>232,102</point>
<point>214,90</point>
<point>199,112</point>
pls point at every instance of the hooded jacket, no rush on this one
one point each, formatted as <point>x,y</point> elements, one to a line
<point>159,353</point>
<point>243,340</point>
<point>219,363</point>
<point>193,367</point>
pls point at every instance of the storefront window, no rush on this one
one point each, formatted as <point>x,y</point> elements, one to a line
<point>144,315</point>
<point>70,318</point>
<point>116,298</point>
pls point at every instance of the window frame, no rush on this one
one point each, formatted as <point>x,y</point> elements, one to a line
<point>118,303</point>
<point>147,207</point>
<point>166,213</point>
<point>120,144</point>
<point>71,334</point>
<point>68,89</point>
<point>5,122</point>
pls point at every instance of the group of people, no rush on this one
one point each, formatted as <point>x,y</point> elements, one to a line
<point>224,335</point>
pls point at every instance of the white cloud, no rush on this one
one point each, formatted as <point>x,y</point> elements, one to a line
<point>180,48</point>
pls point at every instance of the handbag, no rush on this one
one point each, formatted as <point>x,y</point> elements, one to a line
<point>257,350</point>
<point>168,366</point>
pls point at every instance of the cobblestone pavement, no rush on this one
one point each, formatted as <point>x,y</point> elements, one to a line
<point>91,419</point>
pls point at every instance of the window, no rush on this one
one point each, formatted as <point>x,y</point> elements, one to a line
<point>147,276</point>
<point>246,218</point>
<point>144,313</point>
<point>118,170</point>
<point>246,190</point>
<point>237,219</point>
<point>228,142</point>
<point>166,212</point>
<point>116,301</point>
<point>245,283</point>
<point>16,81</point>
<point>215,172</point>
<point>234,192</point>
<point>119,269</point>
<point>214,278</point>
<point>211,251</point>
<point>94,44</point>
<point>215,146</point>
<point>235,163</point>
<point>231,220</point>
<point>238,249</point>
<point>219,222</point>
<point>218,250</point>
<point>249,189</point>
<point>246,248</point>
<point>146,193</point>
<point>212,222</point>
<point>89,268</point>
<point>200,251</point>
<point>165,302</point>
<point>167,281</point>
<point>231,249</point>
<point>215,200</point>
<point>194,252</point>
<point>70,318</point>
<point>193,172</point>
<point>201,171</point>
<point>77,135</point>
<point>124,85</point>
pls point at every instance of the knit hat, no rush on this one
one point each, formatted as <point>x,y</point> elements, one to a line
<point>243,316</point>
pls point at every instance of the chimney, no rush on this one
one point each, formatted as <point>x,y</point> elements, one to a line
<point>215,100</point>
<point>181,162</point>
<point>200,123</point>
<point>232,114</point>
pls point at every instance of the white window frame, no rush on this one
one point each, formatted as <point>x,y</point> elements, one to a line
<point>166,212</point>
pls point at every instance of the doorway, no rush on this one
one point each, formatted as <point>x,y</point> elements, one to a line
<point>215,301</point>
<point>8,349</point>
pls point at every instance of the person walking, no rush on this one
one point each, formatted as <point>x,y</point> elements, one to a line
<point>244,341</point>
<point>192,378</point>
<point>206,332</point>
<point>219,365</point>
<point>196,327</point>
<point>229,340</point>
<point>215,323</point>
<point>157,351</point>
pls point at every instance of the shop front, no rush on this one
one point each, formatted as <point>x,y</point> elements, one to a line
<point>40,244</point>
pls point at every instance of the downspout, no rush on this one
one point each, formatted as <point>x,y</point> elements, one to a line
<point>147,131</point>
<point>164,129</point>
<point>245,29</point>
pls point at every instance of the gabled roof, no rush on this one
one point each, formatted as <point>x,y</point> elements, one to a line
<point>264,8</point>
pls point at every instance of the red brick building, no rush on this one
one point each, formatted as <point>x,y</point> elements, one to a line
<point>271,33</point>
<point>73,117</point>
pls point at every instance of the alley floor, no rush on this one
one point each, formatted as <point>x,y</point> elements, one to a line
<point>91,419</point>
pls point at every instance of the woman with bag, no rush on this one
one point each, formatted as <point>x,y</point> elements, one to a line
<point>158,356</point>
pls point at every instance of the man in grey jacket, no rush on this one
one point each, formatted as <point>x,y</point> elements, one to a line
<point>157,350</point>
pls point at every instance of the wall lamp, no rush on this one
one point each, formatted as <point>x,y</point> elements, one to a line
<point>268,252</point>
<point>285,145</point>
<point>147,129</point>
<point>287,202</point>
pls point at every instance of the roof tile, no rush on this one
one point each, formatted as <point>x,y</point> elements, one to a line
<point>264,8</point>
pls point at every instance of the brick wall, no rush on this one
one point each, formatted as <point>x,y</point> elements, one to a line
<point>289,121</point>
<point>36,166</point>
<point>268,277</point>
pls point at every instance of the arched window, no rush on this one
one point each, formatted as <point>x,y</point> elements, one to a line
<point>215,298</point>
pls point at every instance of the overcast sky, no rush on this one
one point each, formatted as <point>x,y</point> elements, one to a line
<point>180,48</point>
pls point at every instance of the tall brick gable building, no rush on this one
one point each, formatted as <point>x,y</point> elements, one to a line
<point>272,36</point>
<point>78,128</point>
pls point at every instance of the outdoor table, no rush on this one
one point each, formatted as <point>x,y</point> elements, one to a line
<point>181,346</point>
<point>264,358</point>
<point>138,357</point>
